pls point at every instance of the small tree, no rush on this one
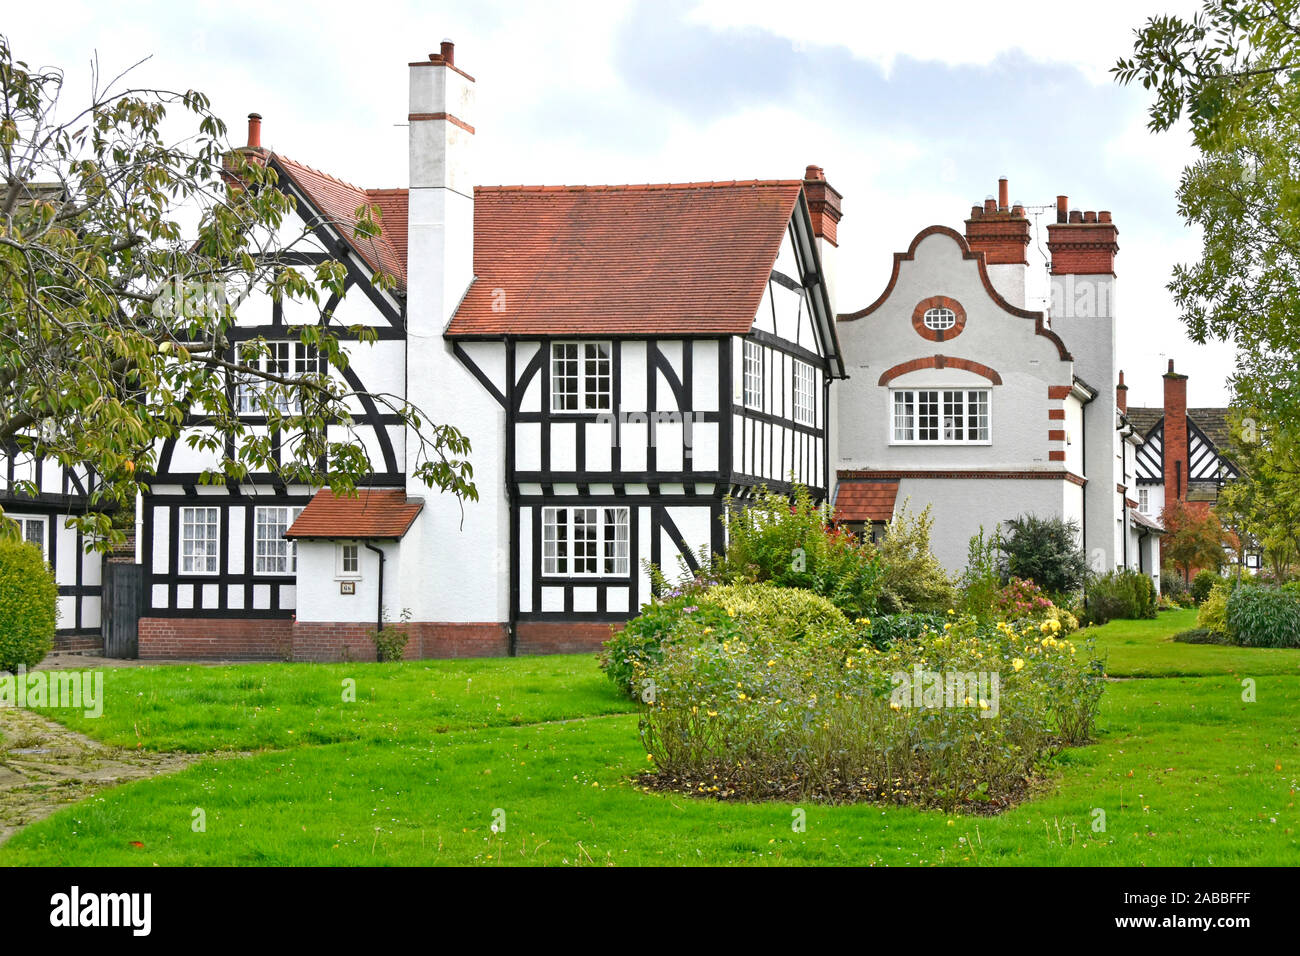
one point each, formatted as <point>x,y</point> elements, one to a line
<point>1195,538</point>
<point>913,577</point>
<point>1045,551</point>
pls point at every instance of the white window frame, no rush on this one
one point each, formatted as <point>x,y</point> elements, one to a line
<point>261,558</point>
<point>602,531</point>
<point>341,570</point>
<point>928,409</point>
<point>805,393</point>
<point>25,524</point>
<point>751,386</point>
<point>285,357</point>
<point>591,388</point>
<point>1144,500</point>
<point>946,319</point>
<point>190,518</point>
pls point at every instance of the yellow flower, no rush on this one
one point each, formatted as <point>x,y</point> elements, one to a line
<point>771,663</point>
<point>1017,663</point>
<point>712,713</point>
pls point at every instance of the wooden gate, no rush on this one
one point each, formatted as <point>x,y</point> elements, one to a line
<point>123,606</point>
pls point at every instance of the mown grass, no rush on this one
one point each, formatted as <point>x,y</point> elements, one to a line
<point>1185,770</point>
<point>1148,649</point>
<point>277,706</point>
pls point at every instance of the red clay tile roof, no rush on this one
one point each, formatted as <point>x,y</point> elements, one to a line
<point>384,513</point>
<point>865,500</point>
<point>337,203</point>
<point>657,259</point>
<point>1145,521</point>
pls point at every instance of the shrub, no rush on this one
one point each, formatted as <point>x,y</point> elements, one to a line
<point>914,580</point>
<point>1045,551</point>
<point>790,544</point>
<point>28,605</point>
<point>1174,587</point>
<point>390,640</point>
<point>889,629</point>
<point>1123,593</point>
<point>757,719</point>
<point>1202,583</point>
<point>1213,615</point>
<point>1263,617</point>
<point>715,615</point>
<point>982,578</point>
<point>1199,635</point>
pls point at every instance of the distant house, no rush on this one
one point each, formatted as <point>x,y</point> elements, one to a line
<point>962,399</point>
<point>1182,453</point>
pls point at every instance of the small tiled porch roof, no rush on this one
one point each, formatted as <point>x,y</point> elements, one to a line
<point>386,514</point>
<point>865,500</point>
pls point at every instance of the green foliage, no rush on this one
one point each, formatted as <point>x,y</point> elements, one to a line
<point>1264,617</point>
<point>790,544</point>
<point>913,578</point>
<point>1202,584</point>
<point>1045,551</point>
<point>390,640</point>
<point>131,231</point>
<point>982,578</point>
<point>1229,73</point>
<point>757,719</point>
<point>1262,505</point>
<point>718,614</point>
<point>28,605</point>
<point>1123,593</point>
<point>889,629</point>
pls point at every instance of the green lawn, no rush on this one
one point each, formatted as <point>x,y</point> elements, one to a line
<point>1186,772</point>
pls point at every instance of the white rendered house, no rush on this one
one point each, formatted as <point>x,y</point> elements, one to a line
<point>960,398</point>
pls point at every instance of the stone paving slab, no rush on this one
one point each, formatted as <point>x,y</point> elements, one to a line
<point>44,767</point>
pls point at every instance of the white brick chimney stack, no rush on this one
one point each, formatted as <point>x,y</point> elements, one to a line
<point>454,561</point>
<point>441,214</point>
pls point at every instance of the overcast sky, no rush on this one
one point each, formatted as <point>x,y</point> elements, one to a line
<point>914,110</point>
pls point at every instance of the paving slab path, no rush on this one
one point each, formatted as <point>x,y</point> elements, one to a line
<point>44,767</point>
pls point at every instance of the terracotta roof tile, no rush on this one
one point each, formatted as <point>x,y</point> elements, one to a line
<point>865,500</point>
<point>685,258</point>
<point>384,513</point>
<point>337,203</point>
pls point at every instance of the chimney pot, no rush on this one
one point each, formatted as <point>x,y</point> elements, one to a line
<point>990,205</point>
<point>1018,210</point>
<point>1062,207</point>
<point>1089,216</point>
<point>1103,216</point>
<point>1171,366</point>
<point>1076,216</point>
<point>449,52</point>
<point>976,212</point>
<point>1003,190</point>
<point>814,172</point>
<point>254,130</point>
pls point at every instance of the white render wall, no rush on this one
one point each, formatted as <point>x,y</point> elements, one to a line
<point>1027,363</point>
<point>960,507</point>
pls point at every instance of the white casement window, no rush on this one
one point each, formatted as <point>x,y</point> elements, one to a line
<point>273,553</point>
<point>286,359</point>
<point>347,562</point>
<point>753,375</point>
<point>1144,500</point>
<point>939,319</point>
<point>585,542</point>
<point>805,393</point>
<point>581,377</point>
<point>32,529</point>
<point>199,546</point>
<point>941,416</point>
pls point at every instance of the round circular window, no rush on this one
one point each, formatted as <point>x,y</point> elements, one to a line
<point>938,318</point>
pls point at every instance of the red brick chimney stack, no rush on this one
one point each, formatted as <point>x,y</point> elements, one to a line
<point>1175,434</point>
<point>1121,394</point>
<point>823,204</point>
<point>254,130</point>
<point>1081,243</point>
<point>999,229</point>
